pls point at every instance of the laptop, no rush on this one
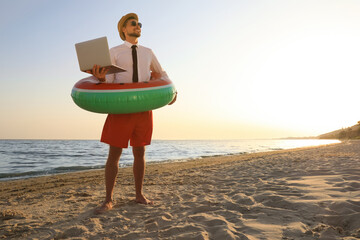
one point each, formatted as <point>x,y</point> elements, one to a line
<point>93,52</point>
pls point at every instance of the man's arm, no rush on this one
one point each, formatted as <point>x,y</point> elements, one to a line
<point>157,72</point>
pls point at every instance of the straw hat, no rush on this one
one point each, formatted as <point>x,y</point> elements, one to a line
<point>123,20</point>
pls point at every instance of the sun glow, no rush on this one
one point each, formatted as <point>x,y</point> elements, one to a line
<point>258,69</point>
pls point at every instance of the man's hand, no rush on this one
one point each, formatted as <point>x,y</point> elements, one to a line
<point>99,73</point>
<point>155,75</point>
<point>174,100</point>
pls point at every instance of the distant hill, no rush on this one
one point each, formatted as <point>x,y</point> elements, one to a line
<point>344,133</point>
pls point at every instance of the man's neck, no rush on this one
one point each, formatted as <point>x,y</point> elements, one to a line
<point>132,40</point>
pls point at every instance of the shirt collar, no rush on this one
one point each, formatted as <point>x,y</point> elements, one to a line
<point>130,44</point>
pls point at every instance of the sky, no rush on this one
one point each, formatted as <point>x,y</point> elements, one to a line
<point>243,69</point>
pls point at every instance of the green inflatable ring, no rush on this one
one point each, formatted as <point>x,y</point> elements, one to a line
<point>115,98</point>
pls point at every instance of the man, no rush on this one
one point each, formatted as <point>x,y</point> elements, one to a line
<point>141,65</point>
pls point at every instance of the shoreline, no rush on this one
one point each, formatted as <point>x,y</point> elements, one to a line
<point>95,172</point>
<point>302,193</point>
<point>5,177</point>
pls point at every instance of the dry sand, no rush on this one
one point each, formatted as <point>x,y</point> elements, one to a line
<point>309,193</point>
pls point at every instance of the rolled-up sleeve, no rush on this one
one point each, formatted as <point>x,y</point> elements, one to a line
<point>156,67</point>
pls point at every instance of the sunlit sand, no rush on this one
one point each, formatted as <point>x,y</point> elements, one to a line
<point>307,193</point>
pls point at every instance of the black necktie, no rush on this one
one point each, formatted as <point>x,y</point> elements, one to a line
<point>135,64</point>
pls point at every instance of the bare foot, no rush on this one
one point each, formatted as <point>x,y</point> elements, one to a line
<point>106,206</point>
<point>143,200</point>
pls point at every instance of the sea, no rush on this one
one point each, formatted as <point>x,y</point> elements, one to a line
<point>21,159</point>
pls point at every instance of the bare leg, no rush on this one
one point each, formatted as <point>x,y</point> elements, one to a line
<point>139,173</point>
<point>111,171</point>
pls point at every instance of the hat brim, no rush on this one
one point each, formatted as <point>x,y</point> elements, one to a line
<point>122,21</point>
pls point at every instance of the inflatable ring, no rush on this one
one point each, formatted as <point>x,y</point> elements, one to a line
<point>120,98</point>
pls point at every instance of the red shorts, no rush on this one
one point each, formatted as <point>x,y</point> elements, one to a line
<point>120,128</point>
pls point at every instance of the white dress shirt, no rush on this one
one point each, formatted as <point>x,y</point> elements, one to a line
<point>122,56</point>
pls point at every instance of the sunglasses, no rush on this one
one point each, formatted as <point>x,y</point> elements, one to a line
<point>133,23</point>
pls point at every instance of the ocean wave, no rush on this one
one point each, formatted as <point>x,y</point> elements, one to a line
<point>57,170</point>
<point>20,175</point>
<point>221,155</point>
<point>76,168</point>
<point>28,162</point>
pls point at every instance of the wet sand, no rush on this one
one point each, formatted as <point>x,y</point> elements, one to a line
<point>308,193</point>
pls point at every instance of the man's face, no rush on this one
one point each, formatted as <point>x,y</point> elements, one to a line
<point>132,28</point>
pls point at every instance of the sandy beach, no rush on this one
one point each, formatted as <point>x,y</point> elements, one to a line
<point>308,193</point>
